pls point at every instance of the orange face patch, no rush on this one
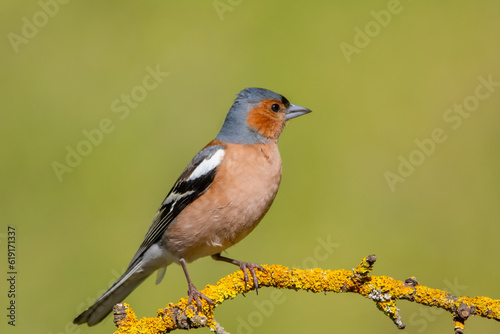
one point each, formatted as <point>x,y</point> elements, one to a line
<point>267,122</point>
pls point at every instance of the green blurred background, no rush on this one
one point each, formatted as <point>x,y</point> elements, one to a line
<point>77,233</point>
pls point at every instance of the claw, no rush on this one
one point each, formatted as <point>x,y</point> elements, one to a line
<point>243,266</point>
<point>197,296</point>
<point>193,293</point>
<point>251,267</point>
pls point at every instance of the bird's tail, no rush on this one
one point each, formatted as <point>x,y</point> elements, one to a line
<point>115,294</point>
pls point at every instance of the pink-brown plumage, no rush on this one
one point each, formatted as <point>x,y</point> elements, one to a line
<point>243,190</point>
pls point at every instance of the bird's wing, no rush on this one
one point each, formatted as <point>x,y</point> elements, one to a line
<point>193,182</point>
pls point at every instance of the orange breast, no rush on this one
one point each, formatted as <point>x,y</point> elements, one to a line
<point>243,190</point>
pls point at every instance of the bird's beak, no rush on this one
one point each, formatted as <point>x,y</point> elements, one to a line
<point>296,111</point>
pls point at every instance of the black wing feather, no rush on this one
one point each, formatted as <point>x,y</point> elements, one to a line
<point>189,189</point>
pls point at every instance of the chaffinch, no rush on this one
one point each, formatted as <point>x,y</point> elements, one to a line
<point>218,200</point>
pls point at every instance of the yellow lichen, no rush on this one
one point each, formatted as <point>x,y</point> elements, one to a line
<point>383,290</point>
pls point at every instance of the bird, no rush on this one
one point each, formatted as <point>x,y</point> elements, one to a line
<point>219,198</point>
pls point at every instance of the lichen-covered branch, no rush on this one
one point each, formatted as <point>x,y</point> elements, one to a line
<point>384,291</point>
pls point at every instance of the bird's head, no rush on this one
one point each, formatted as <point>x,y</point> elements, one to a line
<point>258,115</point>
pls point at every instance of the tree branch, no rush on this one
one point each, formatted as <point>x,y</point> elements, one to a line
<point>384,291</point>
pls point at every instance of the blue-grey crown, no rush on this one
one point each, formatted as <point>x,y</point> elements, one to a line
<point>235,128</point>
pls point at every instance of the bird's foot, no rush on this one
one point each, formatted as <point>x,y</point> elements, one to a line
<point>197,296</point>
<point>243,266</point>
<point>251,267</point>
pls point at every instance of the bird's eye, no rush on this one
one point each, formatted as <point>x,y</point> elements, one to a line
<point>275,107</point>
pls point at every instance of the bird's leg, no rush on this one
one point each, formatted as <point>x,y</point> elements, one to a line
<point>243,266</point>
<point>193,293</point>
